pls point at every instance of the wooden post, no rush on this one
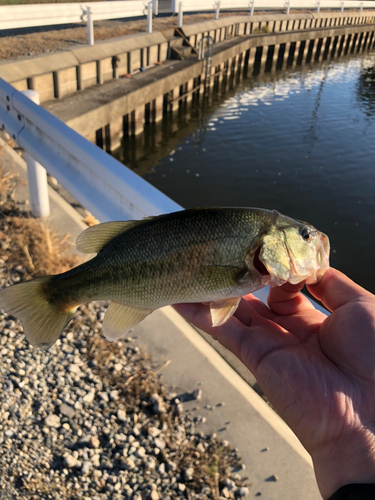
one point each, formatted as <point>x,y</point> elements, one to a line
<point>305,52</point>
<point>322,48</point>
<point>175,104</point>
<point>263,58</point>
<point>314,49</point>
<point>189,86</point>
<point>136,119</point>
<point>157,109</point>
<point>296,54</point>
<point>286,55</point>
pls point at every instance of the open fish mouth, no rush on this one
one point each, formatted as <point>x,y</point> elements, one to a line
<point>258,264</point>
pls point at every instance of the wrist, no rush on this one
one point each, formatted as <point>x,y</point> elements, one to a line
<point>345,462</point>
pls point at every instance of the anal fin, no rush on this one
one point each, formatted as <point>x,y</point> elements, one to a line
<point>221,310</point>
<point>119,319</point>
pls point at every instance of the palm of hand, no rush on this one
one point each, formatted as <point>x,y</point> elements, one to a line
<point>317,371</point>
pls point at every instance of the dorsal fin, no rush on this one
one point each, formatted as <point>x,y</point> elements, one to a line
<point>94,238</point>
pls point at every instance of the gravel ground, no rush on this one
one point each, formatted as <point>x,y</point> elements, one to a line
<point>41,42</point>
<point>93,420</point>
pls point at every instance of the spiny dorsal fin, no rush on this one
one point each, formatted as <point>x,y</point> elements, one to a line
<point>119,319</point>
<point>94,238</point>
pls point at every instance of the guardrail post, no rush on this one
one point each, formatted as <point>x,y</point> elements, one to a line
<point>90,27</point>
<point>37,176</point>
<point>149,17</point>
<point>217,10</point>
<point>252,8</point>
<point>317,7</point>
<point>361,7</point>
<point>342,7</point>
<point>180,15</point>
<point>287,5</point>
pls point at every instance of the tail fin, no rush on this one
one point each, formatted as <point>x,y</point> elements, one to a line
<point>42,321</point>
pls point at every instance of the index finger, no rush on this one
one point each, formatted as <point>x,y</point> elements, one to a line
<point>335,290</point>
<point>286,300</point>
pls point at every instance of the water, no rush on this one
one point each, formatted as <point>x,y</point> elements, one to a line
<point>300,141</point>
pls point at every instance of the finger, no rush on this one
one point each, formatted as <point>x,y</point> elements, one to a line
<point>286,300</point>
<point>335,289</point>
<point>245,313</point>
<point>230,334</point>
<point>251,345</point>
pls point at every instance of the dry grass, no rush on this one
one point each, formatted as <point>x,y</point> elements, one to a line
<point>27,242</point>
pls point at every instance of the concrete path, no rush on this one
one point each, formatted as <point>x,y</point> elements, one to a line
<point>276,464</point>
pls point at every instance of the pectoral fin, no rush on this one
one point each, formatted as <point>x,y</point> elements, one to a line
<point>119,319</point>
<point>221,310</point>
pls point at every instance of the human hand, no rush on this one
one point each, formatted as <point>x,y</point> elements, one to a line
<point>318,371</point>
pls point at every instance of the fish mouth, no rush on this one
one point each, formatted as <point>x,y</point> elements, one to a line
<point>322,260</point>
<point>322,256</point>
<point>258,264</point>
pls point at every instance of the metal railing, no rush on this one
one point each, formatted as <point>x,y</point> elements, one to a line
<point>181,6</point>
<point>28,16</point>
<point>108,189</point>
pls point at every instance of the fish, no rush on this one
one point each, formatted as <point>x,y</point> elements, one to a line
<point>211,255</point>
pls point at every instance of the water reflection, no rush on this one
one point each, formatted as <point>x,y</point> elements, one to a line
<point>366,87</point>
<point>301,141</point>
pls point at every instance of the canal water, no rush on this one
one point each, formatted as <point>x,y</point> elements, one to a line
<point>300,141</point>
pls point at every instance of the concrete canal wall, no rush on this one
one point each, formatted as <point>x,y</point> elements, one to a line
<point>90,96</point>
<point>64,73</point>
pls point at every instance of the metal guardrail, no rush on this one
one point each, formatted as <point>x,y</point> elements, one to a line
<point>28,16</point>
<point>180,6</point>
<point>108,189</point>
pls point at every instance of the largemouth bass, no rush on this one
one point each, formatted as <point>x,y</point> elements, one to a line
<point>213,255</point>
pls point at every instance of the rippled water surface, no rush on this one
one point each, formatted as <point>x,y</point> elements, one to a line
<point>301,141</point>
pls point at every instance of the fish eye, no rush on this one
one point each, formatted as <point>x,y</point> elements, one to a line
<point>305,233</point>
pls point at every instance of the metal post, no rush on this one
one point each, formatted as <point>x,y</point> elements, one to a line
<point>37,176</point>
<point>342,7</point>
<point>252,8</point>
<point>361,7</point>
<point>90,27</point>
<point>317,7</point>
<point>156,7</point>
<point>149,17</point>
<point>180,15</point>
<point>287,5</point>
<point>217,11</point>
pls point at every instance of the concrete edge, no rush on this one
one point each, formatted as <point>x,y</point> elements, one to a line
<point>238,383</point>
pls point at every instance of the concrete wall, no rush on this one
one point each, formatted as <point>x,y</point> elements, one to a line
<point>125,105</point>
<point>63,73</point>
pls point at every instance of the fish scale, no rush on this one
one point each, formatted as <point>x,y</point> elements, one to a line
<point>213,255</point>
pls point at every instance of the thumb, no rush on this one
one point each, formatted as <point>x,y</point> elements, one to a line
<point>335,290</point>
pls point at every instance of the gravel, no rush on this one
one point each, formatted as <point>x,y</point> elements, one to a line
<point>90,419</point>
